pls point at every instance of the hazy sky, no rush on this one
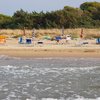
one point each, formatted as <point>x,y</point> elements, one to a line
<point>8,7</point>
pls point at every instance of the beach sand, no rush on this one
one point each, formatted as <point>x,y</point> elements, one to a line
<point>31,52</point>
<point>13,49</point>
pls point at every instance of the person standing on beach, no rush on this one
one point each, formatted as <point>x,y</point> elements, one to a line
<point>24,33</point>
<point>62,31</point>
<point>33,33</point>
<point>81,35</point>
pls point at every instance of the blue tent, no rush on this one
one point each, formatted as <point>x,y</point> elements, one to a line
<point>28,41</point>
<point>58,38</point>
<point>20,40</point>
<point>98,40</point>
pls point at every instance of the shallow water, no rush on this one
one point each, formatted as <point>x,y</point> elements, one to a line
<point>49,78</point>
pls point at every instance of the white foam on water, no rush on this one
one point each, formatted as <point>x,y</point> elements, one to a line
<point>84,98</point>
<point>50,58</point>
<point>49,99</point>
<point>27,69</point>
<point>8,67</point>
<point>81,68</point>
<point>4,57</point>
<point>80,98</point>
<point>61,98</point>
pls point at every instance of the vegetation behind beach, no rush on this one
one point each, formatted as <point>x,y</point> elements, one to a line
<point>75,33</point>
<point>87,16</point>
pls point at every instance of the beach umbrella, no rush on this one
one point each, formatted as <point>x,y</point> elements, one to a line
<point>24,31</point>
<point>81,34</point>
<point>62,31</point>
<point>33,32</point>
<point>47,37</point>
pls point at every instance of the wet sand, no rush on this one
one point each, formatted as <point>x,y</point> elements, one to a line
<point>57,51</point>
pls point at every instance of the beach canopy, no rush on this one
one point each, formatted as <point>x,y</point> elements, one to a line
<point>81,34</point>
<point>98,40</point>
<point>20,40</point>
<point>2,39</point>
<point>47,37</point>
<point>58,37</point>
<point>28,41</point>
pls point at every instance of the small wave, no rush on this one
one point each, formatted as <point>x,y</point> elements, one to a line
<point>8,67</point>
<point>62,99</point>
<point>81,98</point>
<point>65,69</point>
<point>6,57</point>
<point>50,58</point>
<point>83,68</point>
<point>3,57</point>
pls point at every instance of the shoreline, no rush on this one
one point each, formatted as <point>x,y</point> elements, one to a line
<point>44,52</point>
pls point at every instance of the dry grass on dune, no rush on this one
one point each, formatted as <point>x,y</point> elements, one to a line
<point>88,33</point>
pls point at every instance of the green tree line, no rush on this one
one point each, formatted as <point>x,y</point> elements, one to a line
<point>88,16</point>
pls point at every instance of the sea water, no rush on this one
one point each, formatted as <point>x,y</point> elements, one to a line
<point>49,78</point>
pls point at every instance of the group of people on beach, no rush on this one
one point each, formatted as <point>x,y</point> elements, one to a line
<point>59,38</point>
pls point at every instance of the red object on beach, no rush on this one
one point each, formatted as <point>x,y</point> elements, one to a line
<point>81,35</point>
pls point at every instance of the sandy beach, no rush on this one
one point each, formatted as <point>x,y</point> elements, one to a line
<point>49,49</point>
<point>58,51</point>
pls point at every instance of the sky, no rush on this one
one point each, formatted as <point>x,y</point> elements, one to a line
<point>8,7</point>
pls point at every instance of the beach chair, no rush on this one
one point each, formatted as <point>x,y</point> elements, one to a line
<point>98,41</point>
<point>2,39</point>
<point>40,42</point>
<point>28,41</point>
<point>58,38</point>
<point>20,41</point>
